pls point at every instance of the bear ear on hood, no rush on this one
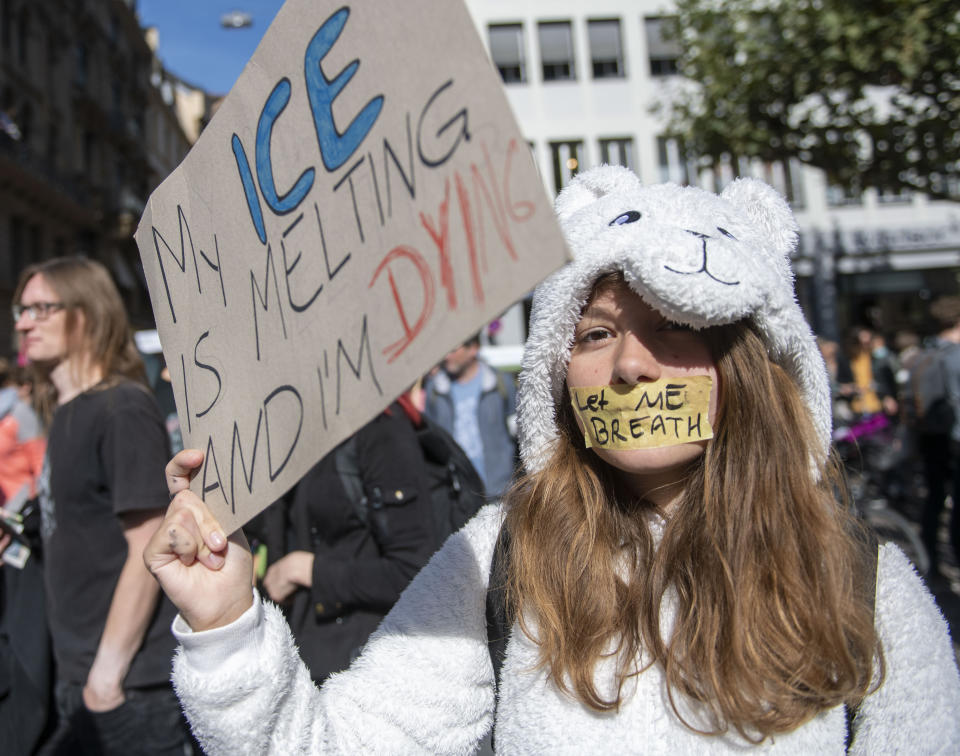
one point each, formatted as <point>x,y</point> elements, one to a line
<point>764,206</point>
<point>589,186</point>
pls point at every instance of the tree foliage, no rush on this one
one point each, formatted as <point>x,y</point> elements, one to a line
<point>866,90</point>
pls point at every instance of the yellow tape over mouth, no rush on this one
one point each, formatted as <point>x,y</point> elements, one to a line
<point>660,413</point>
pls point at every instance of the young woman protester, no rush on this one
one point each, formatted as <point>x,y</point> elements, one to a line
<point>102,497</point>
<point>680,574</point>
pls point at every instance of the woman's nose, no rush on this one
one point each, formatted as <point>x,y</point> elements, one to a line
<point>635,362</point>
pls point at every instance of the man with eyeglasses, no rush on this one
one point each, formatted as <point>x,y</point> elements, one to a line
<point>102,495</point>
<point>36,311</point>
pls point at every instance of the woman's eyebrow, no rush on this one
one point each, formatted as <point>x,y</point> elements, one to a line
<point>598,311</point>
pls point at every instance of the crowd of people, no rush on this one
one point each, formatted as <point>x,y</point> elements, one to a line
<point>897,419</point>
<point>473,560</point>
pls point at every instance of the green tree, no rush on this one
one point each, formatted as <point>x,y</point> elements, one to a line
<point>866,90</point>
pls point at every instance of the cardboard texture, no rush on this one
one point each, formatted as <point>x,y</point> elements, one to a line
<point>660,413</point>
<point>360,204</point>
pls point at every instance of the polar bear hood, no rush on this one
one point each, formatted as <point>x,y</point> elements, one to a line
<point>698,258</point>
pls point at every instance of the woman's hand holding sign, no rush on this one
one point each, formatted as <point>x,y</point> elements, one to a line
<point>206,575</point>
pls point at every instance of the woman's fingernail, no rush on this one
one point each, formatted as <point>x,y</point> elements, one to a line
<point>217,540</point>
<point>216,560</point>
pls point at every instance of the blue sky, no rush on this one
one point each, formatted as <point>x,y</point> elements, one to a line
<point>196,48</point>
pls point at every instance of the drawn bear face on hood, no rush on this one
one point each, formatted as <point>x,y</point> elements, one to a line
<point>698,258</point>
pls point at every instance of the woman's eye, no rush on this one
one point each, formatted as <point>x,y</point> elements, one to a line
<point>595,334</point>
<point>631,216</point>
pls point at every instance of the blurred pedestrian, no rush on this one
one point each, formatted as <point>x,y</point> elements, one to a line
<point>102,495</point>
<point>841,379</point>
<point>25,657</point>
<point>909,350</point>
<point>936,382</point>
<point>22,443</point>
<point>477,405</point>
<point>873,374</point>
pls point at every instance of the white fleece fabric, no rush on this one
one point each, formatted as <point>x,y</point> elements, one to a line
<point>424,683</point>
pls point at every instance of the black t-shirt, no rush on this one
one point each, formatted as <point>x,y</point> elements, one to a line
<point>105,455</point>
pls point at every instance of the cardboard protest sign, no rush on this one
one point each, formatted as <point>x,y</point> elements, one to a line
<point>659,413</point>
<point>361,203</point>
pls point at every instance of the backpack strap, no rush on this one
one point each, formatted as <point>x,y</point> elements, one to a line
<point>498,626</point>
<point>347,462</point>
<point>868,587</point>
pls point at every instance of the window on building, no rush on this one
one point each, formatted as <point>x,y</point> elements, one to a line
<point>88,153</point>
<point>663,52</point>
<point>606,50</point>
<point>945,184</point>
<point>53,146</point>
<point>716,175</point>
<point>567,162</point>
<point>23,32</point>
<point>675,164</point>
<point>894,196</point>
<point>25,122</point>
<point>617,152</point>
<point>506,50</point>
<point>787,178</point>
<point>36,242</point>
<point>556,50</point>
<point>80,69</point>
<point>120,172</point>
<point>17,248</point>
<point>6,23</point>
<point>839,196</point>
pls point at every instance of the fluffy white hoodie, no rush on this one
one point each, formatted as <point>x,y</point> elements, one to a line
<point>424,683</point>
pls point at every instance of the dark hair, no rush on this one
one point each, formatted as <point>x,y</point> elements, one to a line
<point>946,311</point>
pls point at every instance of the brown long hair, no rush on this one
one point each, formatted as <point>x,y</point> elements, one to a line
<point>757,559</point>
<point>96,325</point>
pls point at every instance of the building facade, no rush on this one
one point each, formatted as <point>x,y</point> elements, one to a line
<point>585,80</point>
<point>86,133</point>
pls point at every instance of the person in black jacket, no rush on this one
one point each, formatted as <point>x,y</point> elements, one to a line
<point>345,562</point>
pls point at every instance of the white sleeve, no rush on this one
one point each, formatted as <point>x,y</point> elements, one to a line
<point>423,684</point>
<point>916,708</point>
